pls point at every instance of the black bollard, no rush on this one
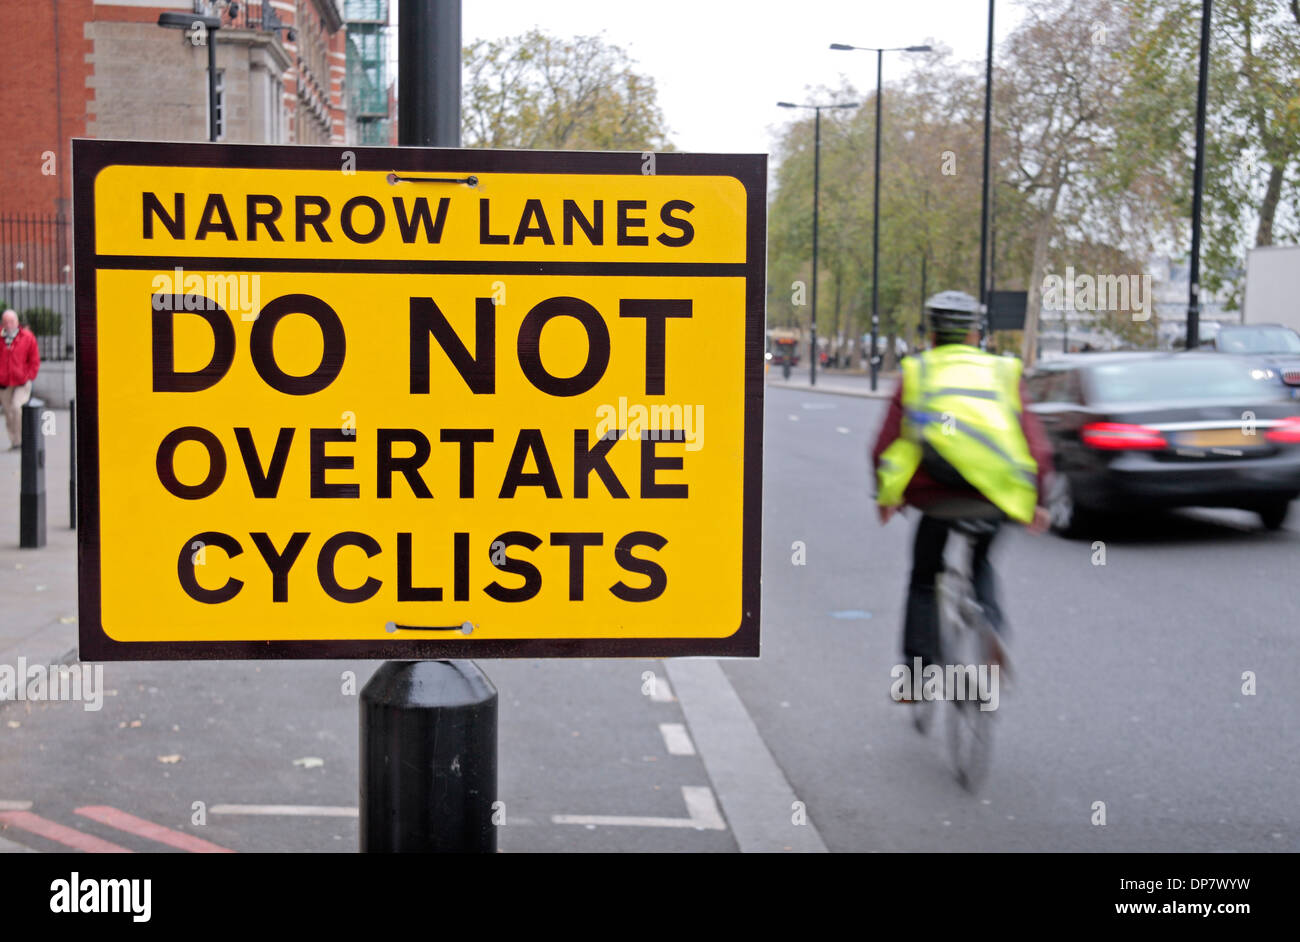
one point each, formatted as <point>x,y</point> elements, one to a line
<point>428,759</point>
<point>31,489</point>
<point>72,464</point>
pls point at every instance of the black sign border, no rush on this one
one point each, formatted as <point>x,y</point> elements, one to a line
<point>91,156</point>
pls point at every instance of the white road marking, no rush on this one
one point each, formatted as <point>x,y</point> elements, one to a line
<point>703,808</point>
<point>794,418</point>
<point>676,740</point>
<point>700,805</point>
<point>751,787</point>
<point>15,806</point>
<point>662,691</point>
<point>319,811</point>
<point>842,430</point>
<point>322,811</point>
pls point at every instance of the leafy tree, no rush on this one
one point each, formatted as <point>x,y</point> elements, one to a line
<point>540,91</point>
<point>1252,123</point>
<point>929,204</point>
<point>1091,159</point>
<point>841,243</point>
<point>1056,97</point>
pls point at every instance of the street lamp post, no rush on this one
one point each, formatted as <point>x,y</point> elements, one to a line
<point>875,210</point>
<point>817,148</point>
<point>984,181</point>
<point>209,25</point>
<point>1198,176</point>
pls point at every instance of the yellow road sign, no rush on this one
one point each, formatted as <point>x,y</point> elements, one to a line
<point>412,403</point>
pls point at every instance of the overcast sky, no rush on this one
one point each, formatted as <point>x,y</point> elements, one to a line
<point>720,67</point>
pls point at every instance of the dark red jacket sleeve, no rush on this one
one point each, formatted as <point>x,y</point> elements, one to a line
<point>1039,446</point>
<point>891,428</point>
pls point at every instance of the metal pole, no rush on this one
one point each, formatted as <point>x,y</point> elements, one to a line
<point>1198,173</point>
<point>72,464</point>
<point>984,195</point>
<point>924,259</point>
<point>428,759</point>
<point>212,84</point>
<point>428,73</point>
<point>875,232</point>
<point>993,242</point>
<point>31,485</point>
<point>817,154</point>
<point>428,728</point>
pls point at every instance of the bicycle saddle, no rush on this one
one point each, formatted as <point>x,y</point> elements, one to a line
<point>975,526</point>
<point>962,509</point>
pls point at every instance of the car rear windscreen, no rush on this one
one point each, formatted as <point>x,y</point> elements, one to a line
<point>1259,340</point>
<point>1162,380</point>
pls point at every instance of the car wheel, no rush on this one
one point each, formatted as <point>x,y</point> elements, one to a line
<point>1274,515</point>
<point>1067,517</point>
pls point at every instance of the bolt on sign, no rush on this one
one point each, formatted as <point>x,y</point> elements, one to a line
<point>417,403</point>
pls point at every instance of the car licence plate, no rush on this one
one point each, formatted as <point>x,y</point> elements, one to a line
<point>1221,438</point>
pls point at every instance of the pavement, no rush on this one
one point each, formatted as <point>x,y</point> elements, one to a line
<point>836,382</point>
<point>39,586</point>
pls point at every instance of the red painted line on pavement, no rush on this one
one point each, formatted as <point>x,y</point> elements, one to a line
<point>147,829</point>
<point>53,831</point>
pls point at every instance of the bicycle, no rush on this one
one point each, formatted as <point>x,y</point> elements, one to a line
<point>965,638</point>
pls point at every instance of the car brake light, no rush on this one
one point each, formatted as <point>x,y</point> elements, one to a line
<point>1287,431</point>
<point>1119,436</point>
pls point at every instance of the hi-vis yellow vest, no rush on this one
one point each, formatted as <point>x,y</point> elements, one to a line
<point>966,405</point>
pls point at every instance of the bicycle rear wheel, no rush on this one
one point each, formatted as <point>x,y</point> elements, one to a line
<point>923,714</point>
<point>970,729</point>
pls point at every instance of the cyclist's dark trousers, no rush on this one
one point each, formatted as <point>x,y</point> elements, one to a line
<point>921,623</point>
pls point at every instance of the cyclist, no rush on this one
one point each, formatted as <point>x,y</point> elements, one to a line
<point>957,443</point>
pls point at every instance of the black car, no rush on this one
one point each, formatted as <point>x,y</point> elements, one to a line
<point>1146,430</point>
<point>1271,345</point>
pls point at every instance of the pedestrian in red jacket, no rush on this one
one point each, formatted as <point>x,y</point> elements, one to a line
<point>19,363</point>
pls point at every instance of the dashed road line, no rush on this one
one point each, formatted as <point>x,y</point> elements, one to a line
<point>702,814</point>
<point>661,691</point>
<point>322,811</point>
<point>676,740</point>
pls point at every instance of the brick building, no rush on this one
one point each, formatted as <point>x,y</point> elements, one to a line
<point>106,69</point>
